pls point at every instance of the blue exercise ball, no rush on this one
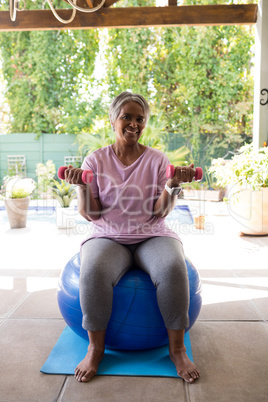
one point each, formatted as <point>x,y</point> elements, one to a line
<point>136,322</point>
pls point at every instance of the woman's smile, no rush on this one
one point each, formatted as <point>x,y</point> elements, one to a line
<point>131,132</point>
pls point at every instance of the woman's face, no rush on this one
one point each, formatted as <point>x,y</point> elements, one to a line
<point>130,123</point>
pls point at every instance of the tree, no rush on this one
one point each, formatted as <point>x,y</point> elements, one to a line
<point>198,79</point>
<point>45,73</point>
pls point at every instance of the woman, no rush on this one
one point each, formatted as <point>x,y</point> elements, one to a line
<point>127,202</point>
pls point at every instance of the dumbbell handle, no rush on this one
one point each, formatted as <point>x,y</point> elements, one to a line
<point>170,171</point>
<point>85,176</point>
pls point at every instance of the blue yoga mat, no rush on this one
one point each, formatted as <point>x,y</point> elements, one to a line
<point>181,213</point>
<point>70,349</point>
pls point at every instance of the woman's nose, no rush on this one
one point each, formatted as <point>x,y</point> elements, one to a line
<point>133,123</point>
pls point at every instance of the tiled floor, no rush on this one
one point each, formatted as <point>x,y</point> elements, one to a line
<point>229,340</point>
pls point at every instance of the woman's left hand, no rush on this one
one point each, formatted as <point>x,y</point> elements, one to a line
<point>183,174</point>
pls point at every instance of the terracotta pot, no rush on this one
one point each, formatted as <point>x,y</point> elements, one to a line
<point>17,209</point>
<point>250,209</point>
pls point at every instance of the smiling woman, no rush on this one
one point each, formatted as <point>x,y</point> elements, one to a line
<point>127,200</point>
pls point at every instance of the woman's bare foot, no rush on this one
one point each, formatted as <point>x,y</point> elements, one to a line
<point>185,368</point>
<point>88,367</point>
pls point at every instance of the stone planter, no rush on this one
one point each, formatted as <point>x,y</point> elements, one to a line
<point>17,209</point>
<point>65,217</point>
<point>205,195</point>
<point>250,209</point>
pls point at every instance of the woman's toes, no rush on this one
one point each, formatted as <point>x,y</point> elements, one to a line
<point>79,375</point>
<point>87,376</point>
<point>189,379</point>
<point>194,374</point>
<point>185,376</point>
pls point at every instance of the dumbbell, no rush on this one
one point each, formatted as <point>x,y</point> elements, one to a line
<point>85,175</point>
<point>170,171</point>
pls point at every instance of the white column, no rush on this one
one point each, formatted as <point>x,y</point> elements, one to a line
<point>260,122</point>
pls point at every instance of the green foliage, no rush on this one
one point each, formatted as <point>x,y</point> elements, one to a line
<point>45,174</point>
<point>19,193</point>
<point>64,193</point>
<point>89,142</point>
<point>45,72</point>
<point>249,168</point>
<point>198,81</point>
<point>156,136</point>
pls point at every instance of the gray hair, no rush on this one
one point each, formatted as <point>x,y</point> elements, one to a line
<point>123,98</point>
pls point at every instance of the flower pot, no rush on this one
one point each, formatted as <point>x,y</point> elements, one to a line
<point>65,217</point>
<point>250,209</point>
<point>17,209</point>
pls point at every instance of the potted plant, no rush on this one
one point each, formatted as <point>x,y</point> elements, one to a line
<point>64,193</point>
<point>16,193</point>
<point>246,176</point>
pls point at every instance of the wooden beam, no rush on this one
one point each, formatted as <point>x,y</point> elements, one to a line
<point>29,20</point>
<point>172,2</point>
<point>109,3</point>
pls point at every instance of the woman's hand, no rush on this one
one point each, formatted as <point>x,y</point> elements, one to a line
<point>88,206</point>
<point>74,176</point>
<point>183,174</point>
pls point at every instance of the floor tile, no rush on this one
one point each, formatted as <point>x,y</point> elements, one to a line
<point>12,293</point>
<point>22,273</point>
<point>233,360</point>
<point>230,311</point>
<point>53,273</point>
<point>262,306</point>
<point>225,296</point>
<point>24,347</point>
<point>52,251</point>
<point>39,304</point>
<point>125,389</point>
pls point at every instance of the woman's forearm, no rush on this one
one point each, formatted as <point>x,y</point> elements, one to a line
<point>165,203</point>
<point>88,206</point>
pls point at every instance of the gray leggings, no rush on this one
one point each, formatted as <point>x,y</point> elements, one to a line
<point>104,262</point>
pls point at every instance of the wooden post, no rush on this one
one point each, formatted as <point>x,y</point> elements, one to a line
<point>260,122</point>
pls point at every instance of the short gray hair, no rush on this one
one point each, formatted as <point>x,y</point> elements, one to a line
<point>123,98</point>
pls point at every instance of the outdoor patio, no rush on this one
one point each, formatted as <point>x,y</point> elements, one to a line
<point>229,339</point>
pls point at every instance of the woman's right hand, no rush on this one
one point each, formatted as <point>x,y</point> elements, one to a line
<point>74,176</point>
